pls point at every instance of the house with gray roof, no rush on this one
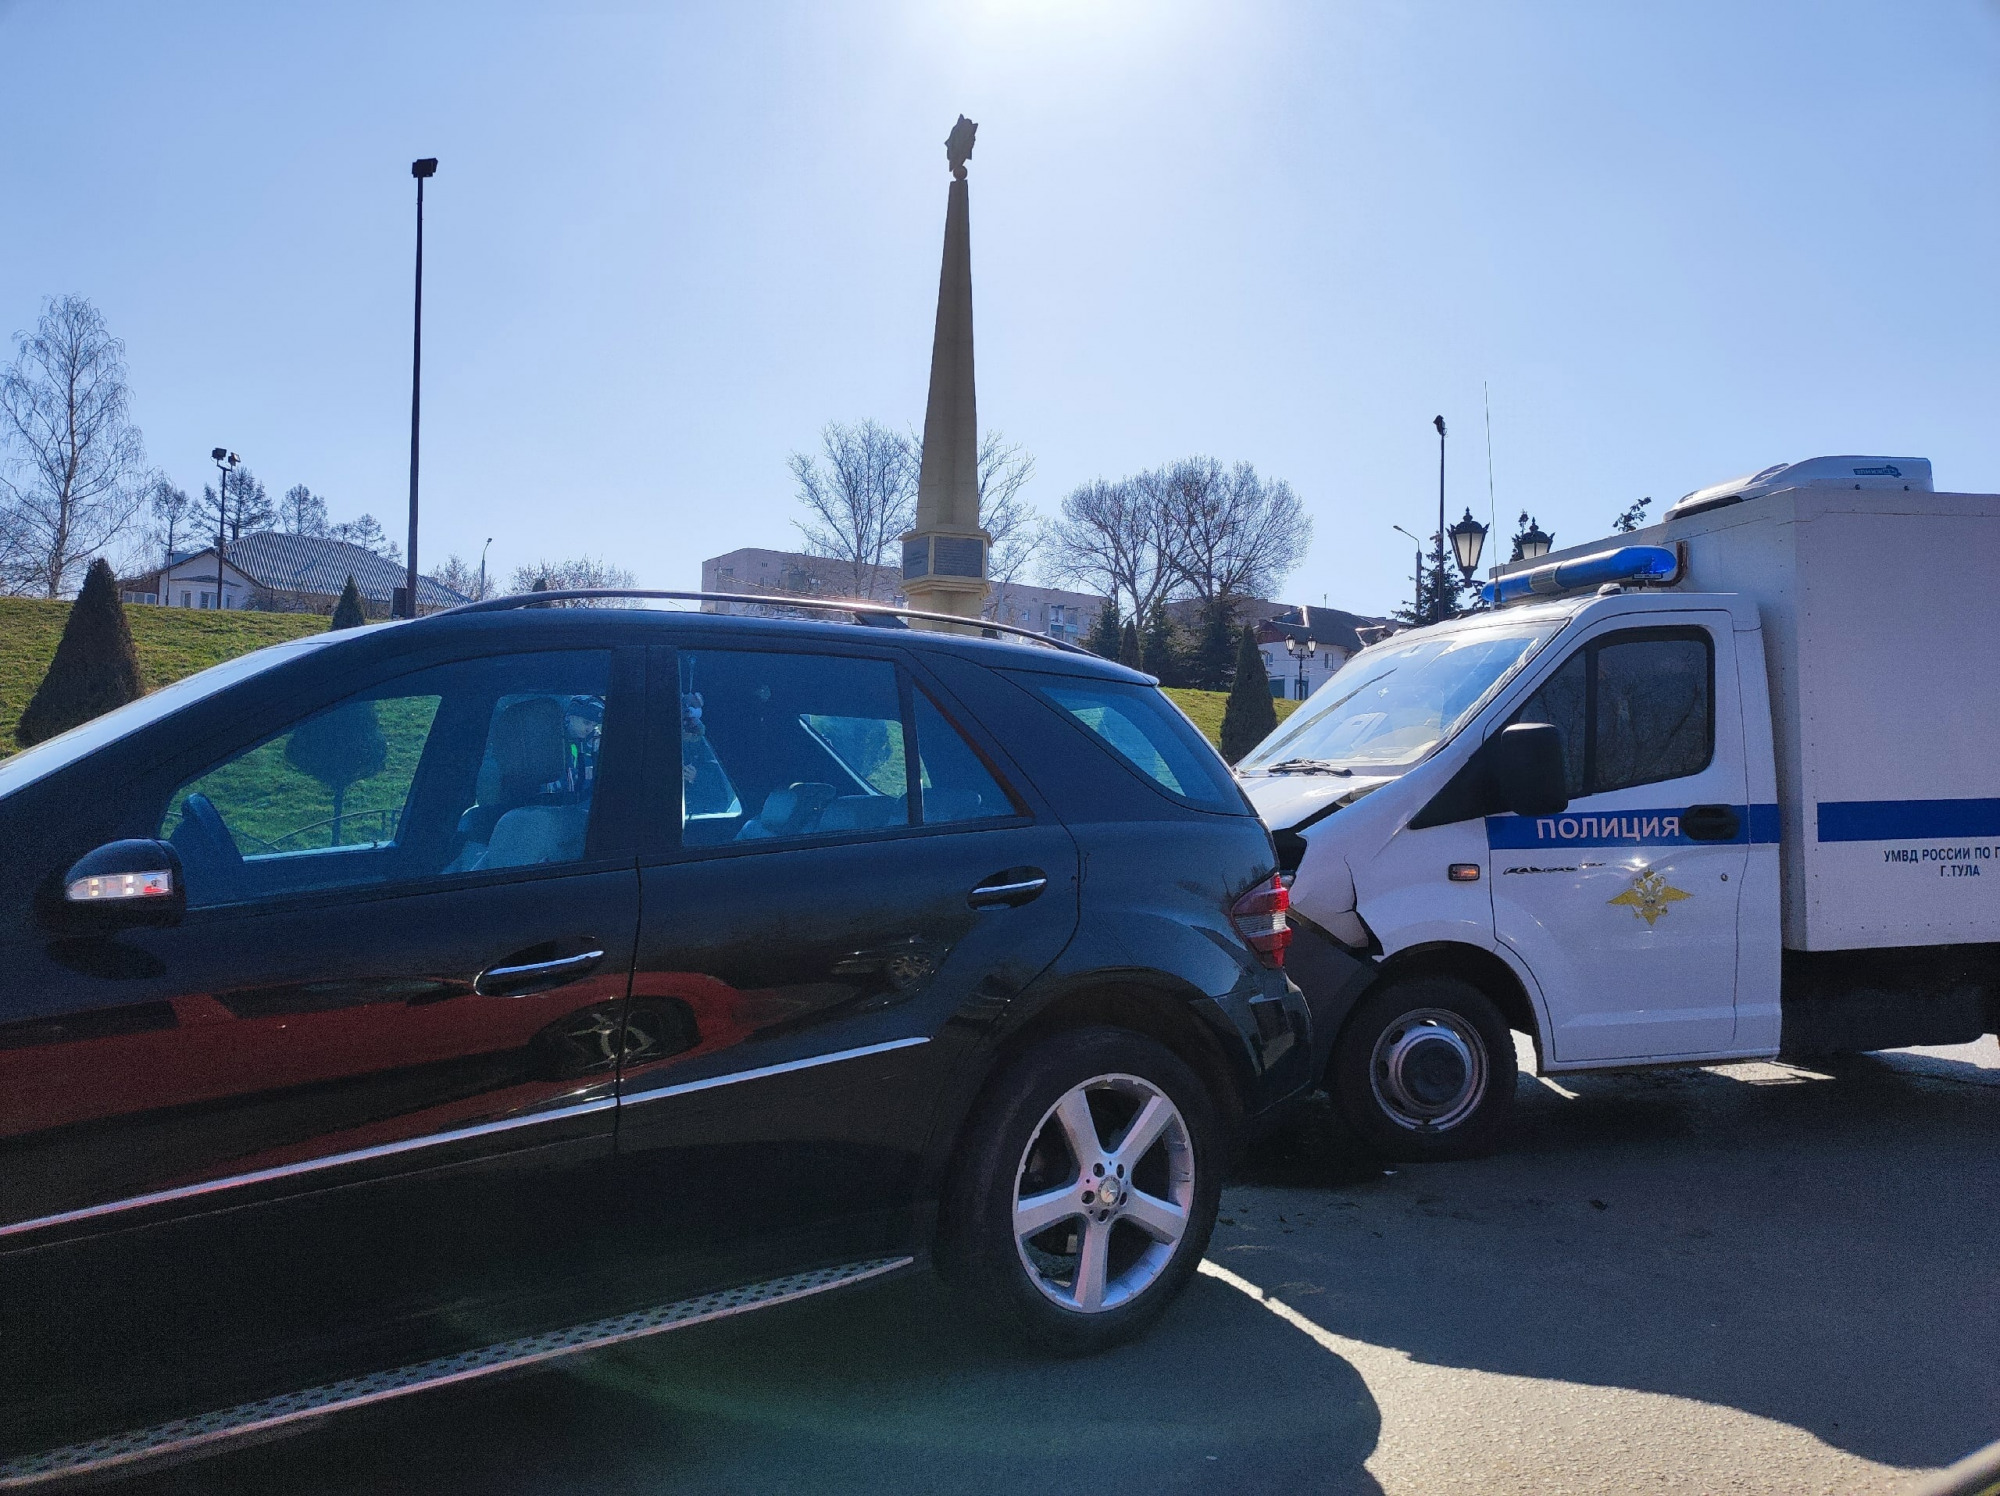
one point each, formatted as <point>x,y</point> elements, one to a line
<point>274,572</point>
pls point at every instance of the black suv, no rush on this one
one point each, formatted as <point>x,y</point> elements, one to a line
<point>398,1004</point>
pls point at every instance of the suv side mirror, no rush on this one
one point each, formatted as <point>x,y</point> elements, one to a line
<point>1526,761</point>
<point>124,884</point>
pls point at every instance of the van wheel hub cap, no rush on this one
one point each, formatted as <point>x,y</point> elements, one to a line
<point>1429,1070</point>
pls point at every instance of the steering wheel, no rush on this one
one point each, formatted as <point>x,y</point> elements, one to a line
<point>209,841</point>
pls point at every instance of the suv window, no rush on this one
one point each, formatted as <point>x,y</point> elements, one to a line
<point>468,767</point>
<point>1148,731</point>
<point>1633,708</point>
<point>778,746</point>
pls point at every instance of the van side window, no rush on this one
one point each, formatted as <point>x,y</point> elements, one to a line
<point>1560,703</point>
<point>1633,708</point>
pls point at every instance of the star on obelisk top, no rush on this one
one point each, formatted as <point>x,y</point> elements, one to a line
<point>945,550</point>
<point>958,146</point>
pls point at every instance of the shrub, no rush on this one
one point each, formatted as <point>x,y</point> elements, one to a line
<point>95,668</point>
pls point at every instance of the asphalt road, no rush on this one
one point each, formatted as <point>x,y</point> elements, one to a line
<point>1748,1278</point>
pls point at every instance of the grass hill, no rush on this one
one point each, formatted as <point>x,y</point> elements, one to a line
<point>1205,707</point>
<point>172,642</point>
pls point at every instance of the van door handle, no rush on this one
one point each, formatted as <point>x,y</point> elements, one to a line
<point>1714,823</point>
<point>1015,886</point>
<point>533,976</point>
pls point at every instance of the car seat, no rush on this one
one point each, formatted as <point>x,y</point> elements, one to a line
<point>526,822</point>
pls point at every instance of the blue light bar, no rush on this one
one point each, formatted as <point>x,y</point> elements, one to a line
<point>1648,565</point>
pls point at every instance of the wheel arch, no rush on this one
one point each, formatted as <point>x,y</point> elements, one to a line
<point>1156,1010</point>
<point>1469,963</point>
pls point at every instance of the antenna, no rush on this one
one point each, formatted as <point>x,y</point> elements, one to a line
<point>1492,514</point>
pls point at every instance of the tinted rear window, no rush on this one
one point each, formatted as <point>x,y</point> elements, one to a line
<point>1148,732</point>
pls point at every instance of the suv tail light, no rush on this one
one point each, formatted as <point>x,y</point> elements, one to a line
<point>1259,917</point>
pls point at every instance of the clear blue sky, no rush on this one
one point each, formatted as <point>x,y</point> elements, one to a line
<point>667,243</point>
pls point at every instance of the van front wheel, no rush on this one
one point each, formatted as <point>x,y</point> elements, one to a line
<point>1425,1070</point>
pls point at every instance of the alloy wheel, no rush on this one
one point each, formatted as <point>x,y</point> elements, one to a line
<point>1103,1193</point>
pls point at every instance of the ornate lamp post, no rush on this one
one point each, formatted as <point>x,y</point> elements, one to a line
<point>1534,544</point>
<point>1468,539</point>
<point>1301,650</point>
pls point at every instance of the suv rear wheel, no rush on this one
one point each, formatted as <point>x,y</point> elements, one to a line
<point>1085,1190</point>
<point>1425,1070</point>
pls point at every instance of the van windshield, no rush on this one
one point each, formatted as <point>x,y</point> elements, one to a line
<point>1390,706</point>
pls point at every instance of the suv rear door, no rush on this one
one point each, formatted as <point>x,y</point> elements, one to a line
<point>824,924</point>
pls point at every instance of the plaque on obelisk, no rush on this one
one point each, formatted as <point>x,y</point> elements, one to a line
<point>944,554</point>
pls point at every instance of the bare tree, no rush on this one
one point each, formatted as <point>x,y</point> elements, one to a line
<point>1234,534</point>
<point>302,512</point>
<point>1114,538</point>
<point>566,576</point>
<point>462,577</point>
<point>860,494</point>
<point>1018,532</point>
<point>172,519</point>
<point>75,465</point>
<point>366,532</point>
<point>244,508</point>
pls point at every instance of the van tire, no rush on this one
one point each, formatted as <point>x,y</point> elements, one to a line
<point>1424,1069</point>
<point>1017,1146</point>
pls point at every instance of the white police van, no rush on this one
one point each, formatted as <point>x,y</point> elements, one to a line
<point>1727,787</point>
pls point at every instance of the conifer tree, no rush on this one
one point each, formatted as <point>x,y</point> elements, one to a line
<point>1215,649</point>
<point>1103,639</point>
<point>1158,655</point>
<point>1128,645</point>
<point>1249,716</point>
<point>348,612</point>
<point>95,667</point>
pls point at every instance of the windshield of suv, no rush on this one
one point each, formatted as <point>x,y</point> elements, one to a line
<point>59,752</point>
<point>1390,706</point>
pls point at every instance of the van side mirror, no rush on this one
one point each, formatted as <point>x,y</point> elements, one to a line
<point>124,884</point>
<point>1526,761</point>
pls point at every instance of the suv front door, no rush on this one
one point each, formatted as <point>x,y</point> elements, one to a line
<point>1624,906</point>
<point>820,940</point>
<point>409,936</point>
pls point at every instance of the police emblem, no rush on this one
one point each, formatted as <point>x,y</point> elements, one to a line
<point>1649,897</point>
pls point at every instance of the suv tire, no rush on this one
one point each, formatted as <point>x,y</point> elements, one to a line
<point>1425,1070</point>
<point>1061,1225</point>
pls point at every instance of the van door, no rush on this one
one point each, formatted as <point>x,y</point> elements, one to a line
<point>1625,906</point>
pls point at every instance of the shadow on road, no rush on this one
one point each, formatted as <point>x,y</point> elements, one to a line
<point>1813,1244</point>
<point>884,1390</point>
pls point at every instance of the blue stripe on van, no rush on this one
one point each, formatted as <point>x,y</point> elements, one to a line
<point>1906,820</point>
<point>1623,828</point>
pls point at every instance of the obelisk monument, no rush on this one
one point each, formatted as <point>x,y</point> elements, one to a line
<point>944,554</point>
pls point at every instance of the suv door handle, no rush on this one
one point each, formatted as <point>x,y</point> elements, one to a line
<point>1017,885</point>
<point>1716,823</point>
<point>533,976</point>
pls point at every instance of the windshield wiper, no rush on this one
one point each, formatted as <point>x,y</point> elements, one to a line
<point>1306,766</point>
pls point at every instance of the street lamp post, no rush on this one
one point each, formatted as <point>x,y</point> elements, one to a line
<point>1302,651</point>
<point>1438,604</point>
<point>422,170</point>
<point>225,462</point>
<point>482,566</point>
<point>1416,603</point>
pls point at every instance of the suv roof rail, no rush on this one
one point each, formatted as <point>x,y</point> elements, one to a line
<point>866,612</point>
